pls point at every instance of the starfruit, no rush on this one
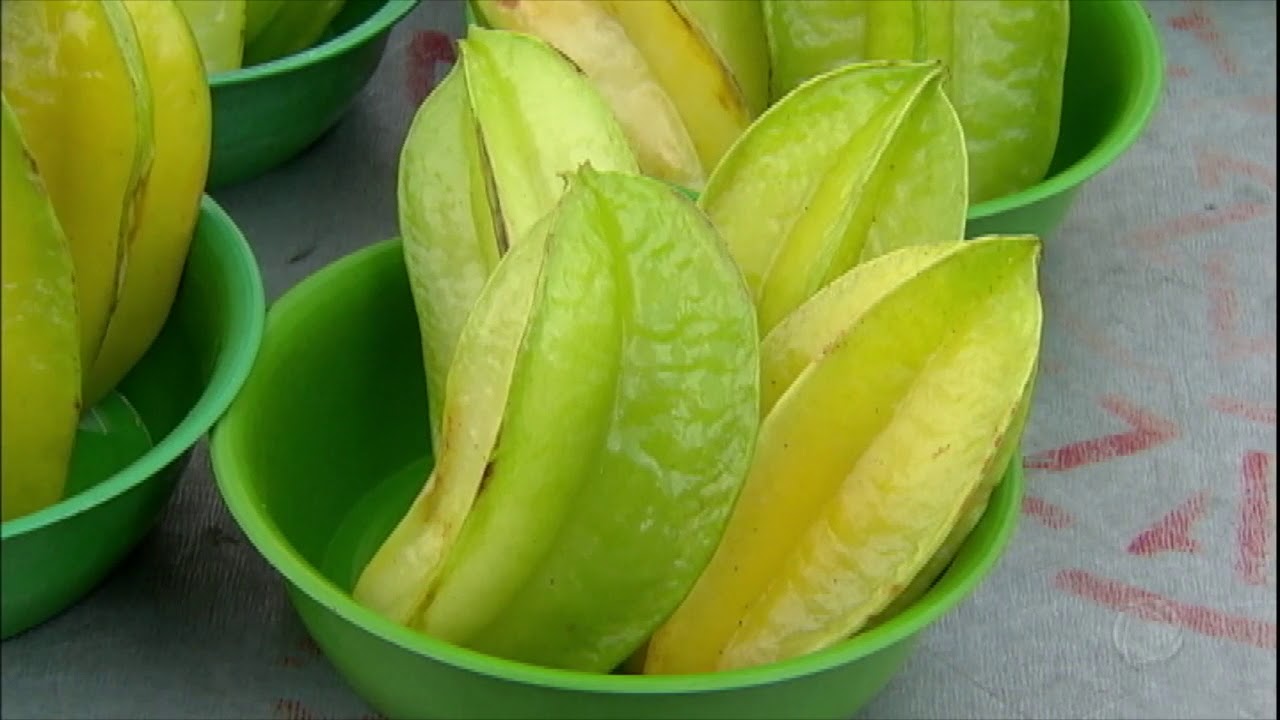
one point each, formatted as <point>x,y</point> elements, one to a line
<point>1006,63</point>
<point>169,201</point>
<point>65,61</point>
<point>219,28</point>
<point>684,79</point>
<point>852,164</point>
<point>597,427</point>
<point>903,389</point>
<point>41,348</point>
<point>257,15</point>
<point>292,27</point>
<point>482,162</point>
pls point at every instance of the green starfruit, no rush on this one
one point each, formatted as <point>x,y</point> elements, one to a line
<point>876,459</point>
<point>1005,60</point>
<point>483,161</point>
<point>854,163</point>
<point>599,418</point>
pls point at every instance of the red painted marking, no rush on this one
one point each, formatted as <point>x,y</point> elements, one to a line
<point>291,709</point>
<point>309,646</point>
<point>1261,104</point>
<point>1212,167</point>
<point>1144,604</point>
<point>1224,313</point>
<point>1254,531</point>
<point>1147,431</point>
<point>1200,24</point>
<point>427,48</point>
<point>1172,533</point>
<point>1179,71</point>
<point>1052,516</point>
<point>1255,412</point>
<point>1153,240</point>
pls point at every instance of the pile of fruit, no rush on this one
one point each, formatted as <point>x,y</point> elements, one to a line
<point>683,437</point>
<point>686,77</point>
<point>241,33</point>
<point>106,133</point>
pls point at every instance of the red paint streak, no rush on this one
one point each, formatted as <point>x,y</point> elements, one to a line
<point>1050,515</point>
<point>1172,533</point>
<point>290,709</point>
<point>1255,412</point>
<point>427,48</point>
<point>1224,313</point>
<point>309,646</point>
<point>1179,71</point>
<point>1212,167</point>
<point>1147,605</point>
<point>1261,104</point>
<point>1152,240</point>
<point>1200,24</point>
<point>1147,431</point>
<point>1254,531</point>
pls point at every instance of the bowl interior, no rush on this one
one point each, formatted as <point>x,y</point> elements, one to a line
<point>328,442</point>
<point>181,385</point>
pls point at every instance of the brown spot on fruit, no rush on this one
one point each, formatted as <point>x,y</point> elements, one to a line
<point>484,476</point>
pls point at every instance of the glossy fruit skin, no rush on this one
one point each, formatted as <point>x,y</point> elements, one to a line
<point>293,27</point>
<point>220,30</point>
<point>170,199</point>
<point>40,370</point>
<point>627,429</point>
<point>701,87</point>
<point>854,163</point>
<point>684,78</point>
<point>887,442</point>
<point>1005,59</point>
<point>482,163</point>
<point>735,30</point>
<point>257,14</point>
<point>599,46</point>
<point>64,59</point>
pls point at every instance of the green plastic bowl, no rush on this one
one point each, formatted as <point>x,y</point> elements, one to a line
<point>186,380</point>
<point>1115,71</point>
<point>266,114</point>
<point>1114,75</point>
<point>327,444</point>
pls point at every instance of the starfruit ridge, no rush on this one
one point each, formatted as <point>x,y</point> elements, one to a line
<point>893,432</point>
<point>476,172</point>
<point>852,163</point>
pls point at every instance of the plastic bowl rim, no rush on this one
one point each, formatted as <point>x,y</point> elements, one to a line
<point>1134,119</point>
<point>247,509</point>
<point>391,12</point>
<point>247,310</point>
